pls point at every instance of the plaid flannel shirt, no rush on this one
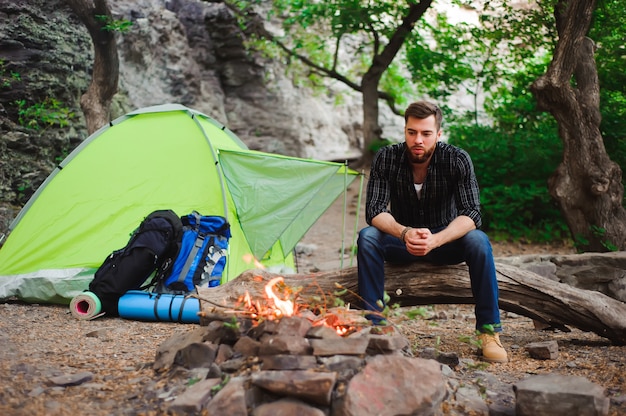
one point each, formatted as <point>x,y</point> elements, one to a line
<point>450,188</point>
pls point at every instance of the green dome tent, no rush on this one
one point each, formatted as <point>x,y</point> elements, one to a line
<point>162,157</point>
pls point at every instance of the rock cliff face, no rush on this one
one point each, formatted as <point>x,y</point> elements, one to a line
<point>177,51</point>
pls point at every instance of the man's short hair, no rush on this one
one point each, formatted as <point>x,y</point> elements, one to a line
<point>422,110</point>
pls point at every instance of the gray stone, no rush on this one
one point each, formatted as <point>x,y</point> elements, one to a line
<point>554,394</point>
<point>469,400</point>
<point>428,353</point>
<point>230,400</point>
<point>100,333</point>
<point>500,410</point>
<point>219,333</point>
<point>619,400</point>
<point>194,398</point>
<point>287,407</point>
<point>314,387</point>
<point>284,344</point>
<point>322,332</point>
<point>546,350</point>
<point>448,358</point>
<point>233,365</point>
<point>224,353</point>
<point>36,391</point>
<point>342,346</point>
<point>293,325</point>
<point>395,385</point>
<point>382,344</point>
<point>288,362</point>
<point>72,379</point>
<point>197,354</point>
<point>166,352</point>
<point>341,363</point>
<point>265,327</point>
<point>247,346</point>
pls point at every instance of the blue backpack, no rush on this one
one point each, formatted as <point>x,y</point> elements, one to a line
<point>202,256</point>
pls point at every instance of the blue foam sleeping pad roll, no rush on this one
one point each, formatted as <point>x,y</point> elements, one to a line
<point>165,307</point>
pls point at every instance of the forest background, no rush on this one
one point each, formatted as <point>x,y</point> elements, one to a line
<point>492,60</point>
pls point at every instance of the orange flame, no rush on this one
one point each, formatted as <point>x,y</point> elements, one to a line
<point>273,307</point>
<point>249,258</point>
<point>283,307</point>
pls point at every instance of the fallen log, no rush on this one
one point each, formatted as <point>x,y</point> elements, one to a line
<point>521,291</point>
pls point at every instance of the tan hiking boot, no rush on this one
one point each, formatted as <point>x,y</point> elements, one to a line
<point>492,348</point>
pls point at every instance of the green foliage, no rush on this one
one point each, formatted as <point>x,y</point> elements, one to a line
<point>215,389</point>
<point>8,77</point>
<point>23,188</point>
<point>512,165</point>
<point>233,324</point>
<point>441,58</point>
<point>420,312</point>
<point>522,212</point>
<point>113,25</point>
<point>193,381</point>
<point>446,58</point>
<point>489,328</point>
<point>43,114</point>
<point>608,32</point>
<point>513,159</point>
<point>378,144</point>
<point>580,242</point>
<point>395,83</point>
<point>514,147</point>
<point>338,39</point>
<point>478,366</point>
<point>388,310</point>
<point>472,341</point>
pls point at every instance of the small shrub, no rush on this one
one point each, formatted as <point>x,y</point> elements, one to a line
<point>43,114</point>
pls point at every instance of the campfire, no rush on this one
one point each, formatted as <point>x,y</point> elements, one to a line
<point>289,302</point>
<point>271,348</point>
<point>272,307</point>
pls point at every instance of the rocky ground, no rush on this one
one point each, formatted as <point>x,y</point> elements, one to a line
<point>44,349</point>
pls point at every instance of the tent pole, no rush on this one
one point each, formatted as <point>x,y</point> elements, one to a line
<point>343,216</point>
<point>358,212</point>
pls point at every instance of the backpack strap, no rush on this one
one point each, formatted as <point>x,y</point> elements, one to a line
<point>181,309</point>
<point>170,313</point>
<point>215,253</point>
<point>197,245</point>
<point>156,305</point>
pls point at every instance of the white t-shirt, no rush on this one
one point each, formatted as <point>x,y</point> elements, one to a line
<point>418,188</point>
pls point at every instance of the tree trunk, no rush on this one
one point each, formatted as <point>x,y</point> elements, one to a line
<point>96,102</point>
<point>587,184</point>
<point>371,129</point>
<point>371,79</point>
<point>521,292</point>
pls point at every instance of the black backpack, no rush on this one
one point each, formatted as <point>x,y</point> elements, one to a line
<point>152,248</point>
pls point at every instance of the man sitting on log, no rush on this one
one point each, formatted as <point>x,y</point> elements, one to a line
<point>423,205</point>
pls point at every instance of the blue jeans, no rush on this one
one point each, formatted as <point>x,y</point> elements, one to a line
<point>376,247</point>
